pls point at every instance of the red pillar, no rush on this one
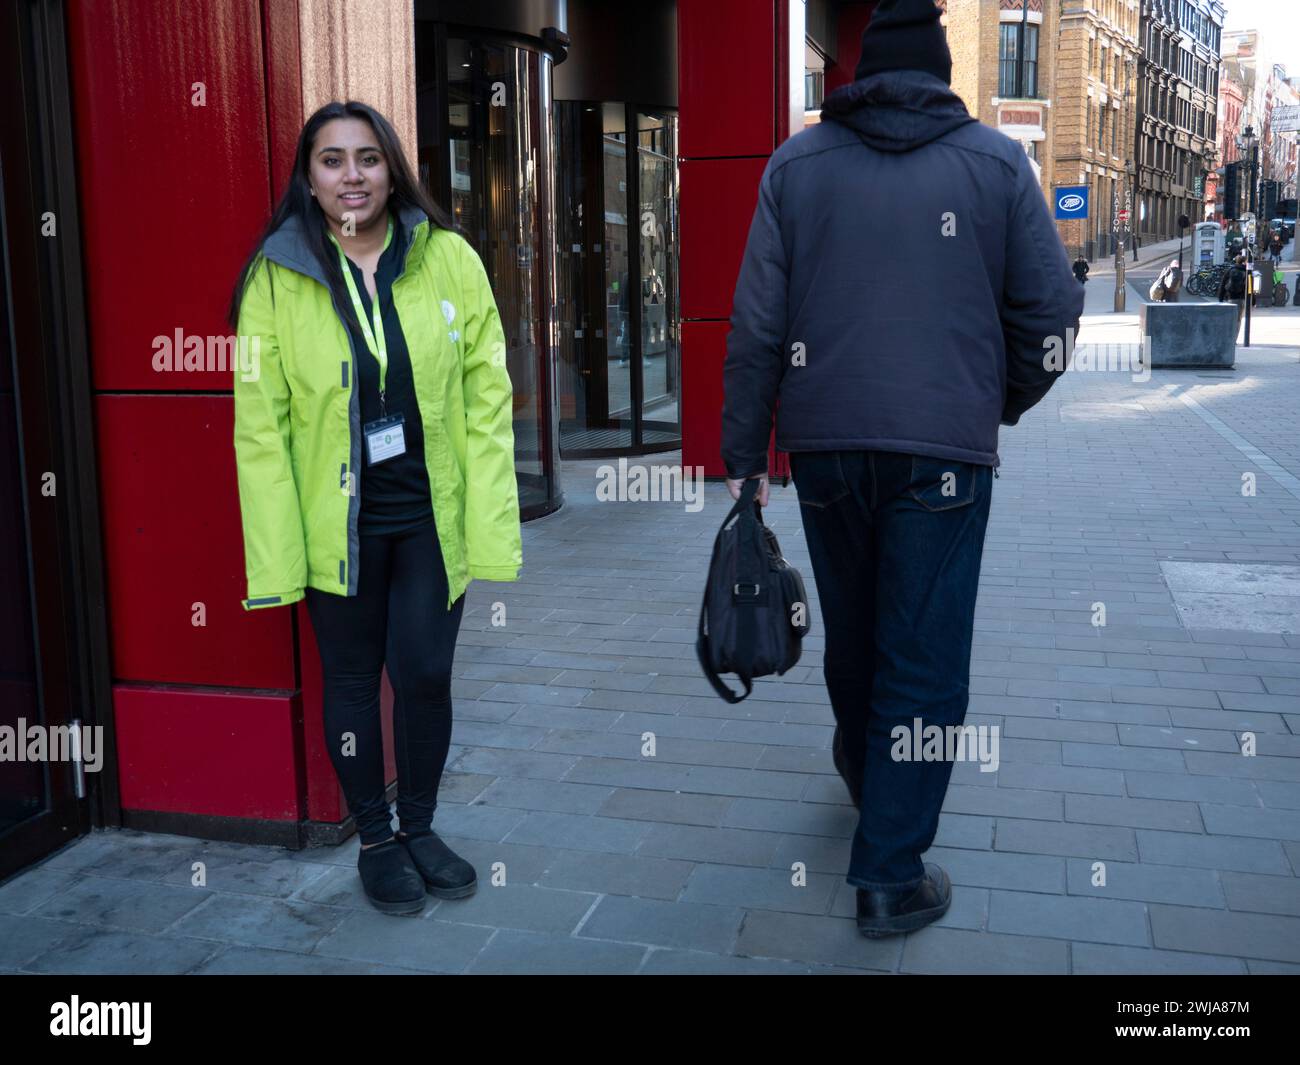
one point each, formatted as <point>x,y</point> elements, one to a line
<point>741,95</point>
<point>187,116</point>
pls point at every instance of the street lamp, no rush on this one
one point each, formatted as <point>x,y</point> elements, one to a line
<point>1122,223</point>
<point>1210,159</point>
<point>1247,142</point>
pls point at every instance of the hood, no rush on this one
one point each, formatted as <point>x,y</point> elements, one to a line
<point>288,246</point>
<point>897,110</point>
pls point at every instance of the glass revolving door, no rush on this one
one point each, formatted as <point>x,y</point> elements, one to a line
<point>485,152</point>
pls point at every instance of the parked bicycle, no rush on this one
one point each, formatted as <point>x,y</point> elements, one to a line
<point>1205,281</point>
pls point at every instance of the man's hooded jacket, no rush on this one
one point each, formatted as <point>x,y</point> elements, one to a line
<point>903,287</point>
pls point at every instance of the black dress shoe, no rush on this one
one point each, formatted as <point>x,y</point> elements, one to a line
<point>883,913</point>
<point>446,874</point>
<point>390,879</point>
<point>851,781</point>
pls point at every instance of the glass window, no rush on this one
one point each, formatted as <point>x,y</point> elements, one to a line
<point>1007,40</point>
<point>1031,61</point>
<point>1008,53</point>
<point>619,361</point>
<point>814,88</point>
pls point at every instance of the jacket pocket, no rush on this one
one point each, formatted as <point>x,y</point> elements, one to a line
<point>942,484</point>
<point>818,478</point>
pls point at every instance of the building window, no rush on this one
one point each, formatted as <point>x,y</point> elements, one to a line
<point>814,89</point>
<point>1008,54</point>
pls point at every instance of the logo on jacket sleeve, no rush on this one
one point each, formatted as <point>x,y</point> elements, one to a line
<point>449,312</point>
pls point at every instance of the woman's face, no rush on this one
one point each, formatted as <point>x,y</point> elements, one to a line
<point>349,173</point>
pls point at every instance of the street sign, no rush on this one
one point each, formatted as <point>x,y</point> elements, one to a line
<point>1071,201</point>
<point>1123,216</point>
<point>1285,119</point>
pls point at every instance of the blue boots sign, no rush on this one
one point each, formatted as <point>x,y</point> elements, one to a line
<point>1071,201</point>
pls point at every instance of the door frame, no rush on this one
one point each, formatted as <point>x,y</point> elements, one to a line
<point>56,421</point>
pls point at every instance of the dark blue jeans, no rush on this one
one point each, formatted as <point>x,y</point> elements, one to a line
<point>398,618</point>
<point>895,542</point>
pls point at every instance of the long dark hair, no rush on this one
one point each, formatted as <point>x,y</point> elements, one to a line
<point>298,201</point>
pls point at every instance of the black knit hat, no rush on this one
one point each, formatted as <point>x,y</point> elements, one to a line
<point>905,35</point>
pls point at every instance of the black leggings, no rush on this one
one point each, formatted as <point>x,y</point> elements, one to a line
<point>398,617</point>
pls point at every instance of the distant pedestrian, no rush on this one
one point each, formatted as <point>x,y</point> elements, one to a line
<point>1165,287</point>
<point>1233,286</point>
<point>1080,269</point>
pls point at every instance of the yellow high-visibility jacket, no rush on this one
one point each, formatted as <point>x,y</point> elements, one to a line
<point>298,440</point>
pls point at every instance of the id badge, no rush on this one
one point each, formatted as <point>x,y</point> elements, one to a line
<point>385,439</point>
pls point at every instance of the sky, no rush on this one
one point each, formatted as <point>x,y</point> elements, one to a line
<point>1278,22</point>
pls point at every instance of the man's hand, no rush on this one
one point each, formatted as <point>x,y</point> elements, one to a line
<point>734,487</point>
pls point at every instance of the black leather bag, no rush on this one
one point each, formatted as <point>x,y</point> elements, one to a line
<point>755,614</point>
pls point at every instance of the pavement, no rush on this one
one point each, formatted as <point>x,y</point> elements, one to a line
<point>1125,830</point>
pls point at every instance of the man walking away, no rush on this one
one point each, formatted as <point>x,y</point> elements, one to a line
<point>890,407</point>
<point>1232,286</point>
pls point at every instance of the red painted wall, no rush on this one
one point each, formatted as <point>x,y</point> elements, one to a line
<point>221,718</point>
<point>729,125</point>
<point>173,194</point>
<point>173,548</point>
<point>189,751</point>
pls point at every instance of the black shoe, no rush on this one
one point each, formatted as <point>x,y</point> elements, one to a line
<point>881,913</point>
<point>390,879</point>
<point>446,874</point>
<point>852,782</point>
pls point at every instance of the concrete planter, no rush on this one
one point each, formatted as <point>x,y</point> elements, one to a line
<point>1190,334</point>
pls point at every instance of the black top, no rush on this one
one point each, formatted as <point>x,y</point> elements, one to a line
<point>395,493</point>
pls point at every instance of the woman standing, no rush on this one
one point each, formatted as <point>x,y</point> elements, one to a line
<point>375,454</point>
